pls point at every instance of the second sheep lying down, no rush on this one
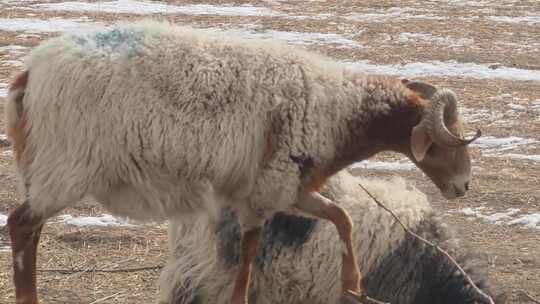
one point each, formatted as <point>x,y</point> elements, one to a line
<point>397,268</point>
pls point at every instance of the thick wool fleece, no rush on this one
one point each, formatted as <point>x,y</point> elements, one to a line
<point>158,121</point>
<point>306,268</point>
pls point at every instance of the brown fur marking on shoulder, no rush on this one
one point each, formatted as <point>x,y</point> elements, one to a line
<point>18,136</point>
<point>18,132</point>
<point>19,81</point>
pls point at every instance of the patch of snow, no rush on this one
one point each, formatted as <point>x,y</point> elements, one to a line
<point>469,211</point>
<point>516,107</point>
<point>520,19</point>
<point>299,37</point>
<point>14,49</point>
<point>3,220</point>
<point>446,68</point>
<point>528,220</point>
<point>28,36</point>
<point>495,218</point>
<point>392,14</point>
<point>39,25</point>
<point>533,157</point>
<point>429,38</point>
<point>15,1</point>
<point>491,145</point>
<point>467,3</point>
<point>320,16</point>
<point>7,153</point>
<point>509,217</point>
<point>477,115</point>
<point>385,166</point>
<point>3,90</point>
<point>150,7</point>
<point>85,221</point>
<point>536,105</point>
<point>15,63</point>
<point>499,217</point>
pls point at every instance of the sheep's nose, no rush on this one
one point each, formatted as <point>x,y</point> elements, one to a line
<point>467,186</point>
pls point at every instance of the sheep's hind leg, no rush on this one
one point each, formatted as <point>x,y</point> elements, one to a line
<point>24,229</point>
<point>317,205</point>
<point>251,225</point>
<point>248,251</point>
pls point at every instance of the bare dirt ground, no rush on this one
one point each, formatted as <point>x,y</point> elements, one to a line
<point>499,183</point>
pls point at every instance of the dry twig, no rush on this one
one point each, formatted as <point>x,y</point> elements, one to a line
<point>530,297</point>
<point>107,297</point>
<point>408,231</point>
<point>70,271</point>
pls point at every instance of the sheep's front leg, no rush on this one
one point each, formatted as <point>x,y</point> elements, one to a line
<point>248,251</point>
<point>24,230</point>
<point>319,206</point>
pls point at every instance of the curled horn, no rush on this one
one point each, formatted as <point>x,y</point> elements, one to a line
<point>442,101</point>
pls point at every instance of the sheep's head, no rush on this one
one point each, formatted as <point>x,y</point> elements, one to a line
<point>437,145</point>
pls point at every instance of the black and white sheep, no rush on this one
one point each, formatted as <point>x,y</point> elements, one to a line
<point>298,260</point>
<point>157,121</point>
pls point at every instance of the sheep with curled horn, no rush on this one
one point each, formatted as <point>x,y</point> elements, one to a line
<point>159,122</point>
<point>298,260</point>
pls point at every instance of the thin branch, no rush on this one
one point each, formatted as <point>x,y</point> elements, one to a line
<point>107,297</point>
<point>530,297</point>
<point>70,271</point>
<point>407,230</point>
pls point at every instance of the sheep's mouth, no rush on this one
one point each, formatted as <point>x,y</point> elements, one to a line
<point>452,192</point>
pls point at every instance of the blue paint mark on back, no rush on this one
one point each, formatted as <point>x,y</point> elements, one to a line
<point>110,42</point>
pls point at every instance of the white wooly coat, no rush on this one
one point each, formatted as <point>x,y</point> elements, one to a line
<point>312,273</point>
<point>157,121</point>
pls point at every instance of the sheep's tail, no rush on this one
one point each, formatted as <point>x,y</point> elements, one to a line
<point>15,115</point>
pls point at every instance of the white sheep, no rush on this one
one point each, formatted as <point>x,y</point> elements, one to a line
<point>298,261</point>
<point>157,122</point>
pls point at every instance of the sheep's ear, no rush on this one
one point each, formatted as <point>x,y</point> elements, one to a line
<point>420,142</point>
<point>424,89</point>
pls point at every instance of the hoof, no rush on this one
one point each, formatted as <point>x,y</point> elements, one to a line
<point>352,297</point>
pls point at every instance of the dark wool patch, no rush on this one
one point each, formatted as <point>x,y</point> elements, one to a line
<point>416,273</point>
<point>281,232</point>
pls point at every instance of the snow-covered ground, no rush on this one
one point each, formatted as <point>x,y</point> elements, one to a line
<point>88,222</point>
<point>520,19</point>
<point>432,39</point>
<point>511,216</point>
<point>305,38</point>
<point>92,221</point>
<point>393,14</point>
<point>3,89</point>
<point>82,221</point>
<point>147,7</point>
<point>447,69</point>
<point>3,220</point>
<point>32,25</point>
